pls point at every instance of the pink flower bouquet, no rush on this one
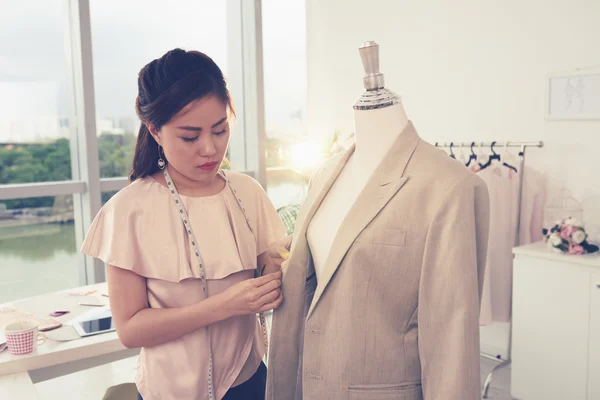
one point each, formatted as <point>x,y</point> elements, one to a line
<point>569,236</point>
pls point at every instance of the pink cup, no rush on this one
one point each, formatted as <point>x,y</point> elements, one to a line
<point>22,337</point>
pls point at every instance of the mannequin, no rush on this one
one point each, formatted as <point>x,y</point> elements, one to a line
<point>379,118</point>
<point>395,233</point>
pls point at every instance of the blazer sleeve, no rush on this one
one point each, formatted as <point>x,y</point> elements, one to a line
<point>450,293</point>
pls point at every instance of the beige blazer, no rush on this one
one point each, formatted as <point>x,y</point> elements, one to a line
<point>395,315</point>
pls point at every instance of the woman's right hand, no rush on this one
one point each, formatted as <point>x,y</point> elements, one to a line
<point>254,295</point>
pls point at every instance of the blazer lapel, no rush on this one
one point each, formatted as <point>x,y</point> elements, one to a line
<point>386,181</point>
<point>299,248</point>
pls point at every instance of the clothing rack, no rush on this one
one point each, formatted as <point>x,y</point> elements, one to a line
<point>499,145</point>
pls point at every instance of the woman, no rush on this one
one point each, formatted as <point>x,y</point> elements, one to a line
<point>184,241</point>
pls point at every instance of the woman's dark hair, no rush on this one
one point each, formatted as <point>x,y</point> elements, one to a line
<point>165,86</point>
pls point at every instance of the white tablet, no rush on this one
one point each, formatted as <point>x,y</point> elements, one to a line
<point>101,324</point>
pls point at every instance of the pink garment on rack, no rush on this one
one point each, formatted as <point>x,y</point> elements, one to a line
<point>503,186</point>
<point>532,209</point>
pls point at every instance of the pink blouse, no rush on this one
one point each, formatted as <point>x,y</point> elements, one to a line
<point>140,229</point>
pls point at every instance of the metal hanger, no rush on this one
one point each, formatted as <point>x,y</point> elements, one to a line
<point>472,156</point>
<point>493,157</point>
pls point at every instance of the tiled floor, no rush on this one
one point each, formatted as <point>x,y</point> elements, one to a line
<point>92,383</point>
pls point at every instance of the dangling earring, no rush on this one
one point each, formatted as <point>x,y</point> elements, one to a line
<point>161,162</point>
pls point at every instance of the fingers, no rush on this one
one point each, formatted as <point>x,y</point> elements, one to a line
<point>280,248</point>
<point>269,286</point>
<point>273,305</point>
<point>278,256</point>
<point>276,252</point>
<point>267,278</point>
<point>266,291</point>
<point>269,297</point>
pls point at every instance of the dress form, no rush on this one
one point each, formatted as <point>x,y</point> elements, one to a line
<point>379,118</point>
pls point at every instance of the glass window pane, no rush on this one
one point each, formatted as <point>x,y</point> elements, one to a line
<point>34,103</point>
<point>126,35</point>
<point>37,247</point>
<point>106,196</point>
<point>291,156</point>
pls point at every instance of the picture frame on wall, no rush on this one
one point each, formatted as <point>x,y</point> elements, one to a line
<point>573,95</point>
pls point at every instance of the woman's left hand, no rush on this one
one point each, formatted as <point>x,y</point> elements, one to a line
<point>277,253</point>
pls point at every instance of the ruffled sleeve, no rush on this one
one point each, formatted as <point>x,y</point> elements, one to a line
<point>112,239</point>
<point>132,231</point>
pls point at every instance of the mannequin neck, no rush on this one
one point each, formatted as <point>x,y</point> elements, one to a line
<point>375,132</point>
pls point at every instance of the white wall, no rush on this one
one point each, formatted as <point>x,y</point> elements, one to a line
<point>466,70</point>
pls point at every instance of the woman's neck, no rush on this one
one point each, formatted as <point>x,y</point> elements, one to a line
<point>191,187</point>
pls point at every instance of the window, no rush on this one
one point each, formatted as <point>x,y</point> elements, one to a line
<point>126,35</point>
<point>59,53</point>
<point>37,247</point>
<point>291,157</point>
<point>37,234</point>
<point>34,103</point>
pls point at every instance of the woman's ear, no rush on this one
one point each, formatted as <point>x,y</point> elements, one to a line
<point>155,133</point>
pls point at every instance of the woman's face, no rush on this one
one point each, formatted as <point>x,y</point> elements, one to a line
<point>195,140</point>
